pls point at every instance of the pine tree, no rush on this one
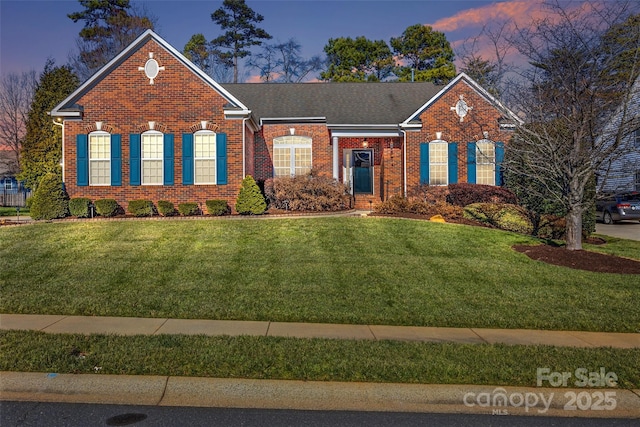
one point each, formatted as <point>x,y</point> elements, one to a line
<point>42,146</point>
<point>250,200</point>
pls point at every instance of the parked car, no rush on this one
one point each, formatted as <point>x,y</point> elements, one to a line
<point>618,207</point>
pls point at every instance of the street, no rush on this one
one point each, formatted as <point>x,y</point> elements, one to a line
<point>86,415</point>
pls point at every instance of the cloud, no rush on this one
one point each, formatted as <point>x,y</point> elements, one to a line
<point>518,11</point>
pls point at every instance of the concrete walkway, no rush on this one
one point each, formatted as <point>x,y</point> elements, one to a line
<point>156,326</point>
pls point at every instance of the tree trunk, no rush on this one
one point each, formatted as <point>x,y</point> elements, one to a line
<point>574,229</point>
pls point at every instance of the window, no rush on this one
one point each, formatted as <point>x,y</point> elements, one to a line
<point>485,162</point>
<point>205,157</point>
<point>99,158</point>
<point>152,143</point>
<point>292,155</point>
<point>438,163</point>
<point>8,184</point>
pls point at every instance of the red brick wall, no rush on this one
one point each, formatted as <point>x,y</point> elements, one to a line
<point>321,150</point>
<point>177,101</point>
<point>439,118</point>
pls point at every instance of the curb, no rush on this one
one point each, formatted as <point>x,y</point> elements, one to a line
<point>316,395</point>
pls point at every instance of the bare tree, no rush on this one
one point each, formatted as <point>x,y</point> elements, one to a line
<point>585,65</point>
<point>491,68</point>
<point>16,94</point>
<point>282,62</point>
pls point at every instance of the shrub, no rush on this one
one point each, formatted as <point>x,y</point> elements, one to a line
<point>50,201</point>
<point>250,200</point>
<point>107,207</point>
<point>307,193</point>
<point>188,209</point>
<point>217,207</point>
<point>466,194</point>
<point>399,205</point>
<point>551,227</point>
<point>79,207</point>
<point>140,208</point>
<point>429,193</point>
<point>500,215</point>
<point>166,208</point>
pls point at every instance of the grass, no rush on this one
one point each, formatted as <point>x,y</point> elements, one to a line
<point>305,359</point>
<point>335,270</point>
<point>9,211</point>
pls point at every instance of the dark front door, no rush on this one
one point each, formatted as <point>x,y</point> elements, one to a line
<point>362,171</point>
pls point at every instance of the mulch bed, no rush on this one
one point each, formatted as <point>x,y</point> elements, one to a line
<point>580,260</point>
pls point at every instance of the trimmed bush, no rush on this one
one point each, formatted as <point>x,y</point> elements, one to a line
<point>217,207</point>
<point>307,193</point>
<point>79,207</point>
<point>188,209</point>
<point>49,200</point>
<point>250,200</point>
<point>552,227</point>
<point>140,208</point>
<point>399,205</point>
<point>106,207</point>
<point>429,193</point>
<point>504,216</point>
<point>166,208</point>
<point>466,194</point>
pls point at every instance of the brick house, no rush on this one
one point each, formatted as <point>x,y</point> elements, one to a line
<point>151,125</point>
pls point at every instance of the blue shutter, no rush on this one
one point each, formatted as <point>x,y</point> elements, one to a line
<point>134,159</point>
<point>424,163</point>
<point>187,158</point>
<point>82,160</point>
<point>453,163</point>
<point>116,160</point>
<point>471,162</point>
<point>221,158</point>
<point>168,159</point>
<point>499,160</point>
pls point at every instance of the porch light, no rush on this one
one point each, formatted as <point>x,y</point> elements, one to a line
<point>365,143</point>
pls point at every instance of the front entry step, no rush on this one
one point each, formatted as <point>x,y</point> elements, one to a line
<point>362,202</point>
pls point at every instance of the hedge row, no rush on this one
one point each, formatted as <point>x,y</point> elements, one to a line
<point>81,207</point>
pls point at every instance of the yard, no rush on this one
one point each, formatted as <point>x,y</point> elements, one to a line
<point>334,270</point>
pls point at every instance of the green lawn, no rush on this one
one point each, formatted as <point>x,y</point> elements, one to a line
<point>8,211</point>
<point>337,270</point>
<point>303,359</point>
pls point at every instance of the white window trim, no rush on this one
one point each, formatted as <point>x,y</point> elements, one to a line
<point>99,133</point>
<point>214,158</point>
<point>446,163</point>
<point>292,147</point>
<point>142,158</point>
<point>479,155</point>
<point>7,184</point>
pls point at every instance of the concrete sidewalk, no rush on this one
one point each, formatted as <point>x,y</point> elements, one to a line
<point>157,326</point>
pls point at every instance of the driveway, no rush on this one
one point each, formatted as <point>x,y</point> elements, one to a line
<point>622,229</point>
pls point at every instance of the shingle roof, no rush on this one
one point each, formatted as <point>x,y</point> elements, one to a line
<point>340,103</point>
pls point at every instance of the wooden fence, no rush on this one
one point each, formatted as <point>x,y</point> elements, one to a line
<point>14,199</point>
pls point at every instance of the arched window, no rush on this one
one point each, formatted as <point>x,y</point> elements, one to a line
<point>151,156</point>
<point>486,162</point>
<point>99,158</point>
<point>438,162</point>
<point>292,155</point>
<point>204,157</point>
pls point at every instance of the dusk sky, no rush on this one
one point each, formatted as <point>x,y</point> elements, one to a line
<point>32,31</point>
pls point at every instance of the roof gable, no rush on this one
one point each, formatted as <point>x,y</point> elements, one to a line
<point>67,107</point>
<point>464,79</point>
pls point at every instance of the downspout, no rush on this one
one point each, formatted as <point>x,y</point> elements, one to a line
<point>404,160</point>
<point>62,158</point>
<point>244,137</point>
